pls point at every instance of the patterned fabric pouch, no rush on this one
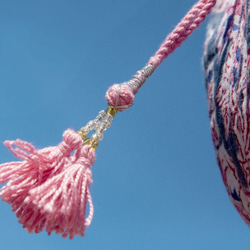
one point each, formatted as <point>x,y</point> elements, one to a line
<point>226,65</point>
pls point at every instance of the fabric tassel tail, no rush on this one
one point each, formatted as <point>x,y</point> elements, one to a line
<point>50,188</point>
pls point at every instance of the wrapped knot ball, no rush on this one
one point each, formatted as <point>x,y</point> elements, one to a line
<point>71,141</point>
<point>120,96</point>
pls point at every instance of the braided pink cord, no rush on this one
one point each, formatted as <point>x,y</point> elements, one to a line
<point>181,32</point>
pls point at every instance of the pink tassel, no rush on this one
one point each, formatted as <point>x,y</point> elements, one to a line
<point>50,188</point>
<point>37,166</point>
<point>62,199</point>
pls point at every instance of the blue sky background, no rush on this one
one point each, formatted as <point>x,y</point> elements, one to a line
<point>156,181</point>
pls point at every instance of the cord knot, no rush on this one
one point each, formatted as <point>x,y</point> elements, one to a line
<point>120,96</point>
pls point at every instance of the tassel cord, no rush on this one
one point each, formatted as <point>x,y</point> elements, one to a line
<point>182,31</point>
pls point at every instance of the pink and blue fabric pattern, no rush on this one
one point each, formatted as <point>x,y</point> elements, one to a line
<point>226,65</point>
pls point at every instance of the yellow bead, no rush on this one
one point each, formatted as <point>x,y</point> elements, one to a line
<point>111,111</point>
<point>82,133</point>
<point>92,143</point>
